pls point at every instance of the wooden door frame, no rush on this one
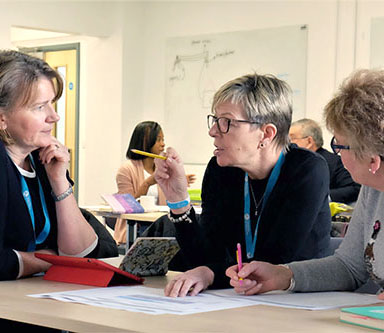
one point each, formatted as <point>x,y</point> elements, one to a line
<point>65,47</point>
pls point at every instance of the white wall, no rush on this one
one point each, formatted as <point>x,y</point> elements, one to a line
<point>104,33</point>
<point>338,42</point>
<point>165,20</point>
<point>123,59</point>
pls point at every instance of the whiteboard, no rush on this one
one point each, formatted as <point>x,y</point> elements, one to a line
<point>197,66</point>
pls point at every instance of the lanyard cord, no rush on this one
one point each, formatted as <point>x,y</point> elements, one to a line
<point>249,241</point>
<point>27,198</point>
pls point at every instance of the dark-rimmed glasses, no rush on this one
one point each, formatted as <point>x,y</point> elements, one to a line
<point>336,147</point>
<point>302,138</point>
<point>224,123</point>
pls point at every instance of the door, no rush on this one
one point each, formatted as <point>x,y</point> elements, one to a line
<point>65,62</point>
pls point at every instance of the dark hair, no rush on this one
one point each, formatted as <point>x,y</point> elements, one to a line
<point>19,74</point>
<point>144,137</point>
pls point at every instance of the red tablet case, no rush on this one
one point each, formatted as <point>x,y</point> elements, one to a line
<point>87,271</point>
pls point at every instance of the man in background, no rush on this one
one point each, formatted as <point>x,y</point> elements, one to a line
<point>307,133</point>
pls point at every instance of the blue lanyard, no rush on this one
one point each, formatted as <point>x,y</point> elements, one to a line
<point>249,242</point>
<point>27,198</point>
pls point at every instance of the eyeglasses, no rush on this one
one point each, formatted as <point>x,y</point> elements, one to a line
<point>337,148</point>
<point>304,137</point>
<point>223,123</point>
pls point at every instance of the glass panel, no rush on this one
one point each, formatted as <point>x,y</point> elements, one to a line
<point>61,106</point>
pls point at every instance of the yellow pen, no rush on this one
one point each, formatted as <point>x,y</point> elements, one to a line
<point>136,151</point>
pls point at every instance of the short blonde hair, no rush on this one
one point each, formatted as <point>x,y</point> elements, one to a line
<point>357,112</point>
<point>264,98</point>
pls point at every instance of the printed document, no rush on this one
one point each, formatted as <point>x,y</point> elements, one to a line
<point>152,300</point>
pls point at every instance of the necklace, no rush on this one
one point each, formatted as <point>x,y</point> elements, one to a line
<point>257,204</point>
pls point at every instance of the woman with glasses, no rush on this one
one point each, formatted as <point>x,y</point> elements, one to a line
<point>258,191</point>
<point>356,117</point>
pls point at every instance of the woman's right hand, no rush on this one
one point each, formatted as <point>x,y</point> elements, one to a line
<point>151,180</point>
<point>34,265</point>
<point>259,277</point>
<point>170,175</point>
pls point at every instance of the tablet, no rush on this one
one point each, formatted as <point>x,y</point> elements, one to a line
<point>88,271</point>
<point>149,256</point>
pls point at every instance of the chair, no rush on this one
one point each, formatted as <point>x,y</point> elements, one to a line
<point>110,222</point>
<point>107,245</point>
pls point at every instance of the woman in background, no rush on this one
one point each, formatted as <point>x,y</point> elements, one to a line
<point>135,176</point>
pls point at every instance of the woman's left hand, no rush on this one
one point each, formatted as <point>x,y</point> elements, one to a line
<point>190,283</point>
<point>55,157</point>
<point>190,178</point>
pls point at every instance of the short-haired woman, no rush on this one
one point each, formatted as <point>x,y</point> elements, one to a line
<point>258,191</point>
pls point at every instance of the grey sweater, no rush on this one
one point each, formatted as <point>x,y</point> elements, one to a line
<point>360,255</point>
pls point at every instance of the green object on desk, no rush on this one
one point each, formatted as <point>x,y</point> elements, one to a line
<point>195,194</point>
<point>366,316</point>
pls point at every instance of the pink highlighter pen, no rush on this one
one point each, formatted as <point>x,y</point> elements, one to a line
<point>239,260</point>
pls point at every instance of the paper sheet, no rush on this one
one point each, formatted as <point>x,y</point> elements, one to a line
<point>153,301</point>
<point>147,300</point>
<point>307,301</point>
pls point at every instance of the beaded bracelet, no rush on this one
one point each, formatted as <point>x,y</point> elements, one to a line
<point>183,218</point>
<point>63,195</point>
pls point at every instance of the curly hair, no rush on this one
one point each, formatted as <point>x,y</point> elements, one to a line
<point>357,112</point>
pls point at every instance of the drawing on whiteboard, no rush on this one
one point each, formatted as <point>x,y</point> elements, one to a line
<point>196,66</point>
<point>205,84</point>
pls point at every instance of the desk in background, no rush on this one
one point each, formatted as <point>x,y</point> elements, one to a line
<point>132,219</point>
<point>15,305</point>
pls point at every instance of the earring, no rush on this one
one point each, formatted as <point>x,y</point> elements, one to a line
<point>370,170</point>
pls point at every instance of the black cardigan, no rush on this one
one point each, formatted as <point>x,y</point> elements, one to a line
<point>295,223</point>
<point>341,185</point>
<point>16,230</point>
